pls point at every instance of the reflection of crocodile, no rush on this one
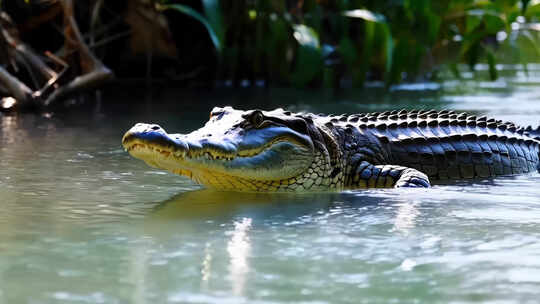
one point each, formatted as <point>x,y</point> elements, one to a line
<point>283,151</point>
<point>208,204</point>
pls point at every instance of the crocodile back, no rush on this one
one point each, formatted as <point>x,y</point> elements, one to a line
<point>453,145</point>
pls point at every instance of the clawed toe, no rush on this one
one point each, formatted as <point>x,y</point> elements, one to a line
<point>413,179</point>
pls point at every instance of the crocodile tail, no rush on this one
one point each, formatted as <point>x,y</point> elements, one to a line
<point>535,134</point>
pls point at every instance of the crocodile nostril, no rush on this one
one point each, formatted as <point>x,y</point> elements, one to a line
<point>155,128</point>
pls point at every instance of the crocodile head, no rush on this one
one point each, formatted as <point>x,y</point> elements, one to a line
<point>235,150</point>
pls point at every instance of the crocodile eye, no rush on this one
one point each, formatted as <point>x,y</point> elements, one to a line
<point>216,112</point>
<point>256,118</point>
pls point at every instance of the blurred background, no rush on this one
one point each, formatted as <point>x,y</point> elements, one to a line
<point>46,44</point>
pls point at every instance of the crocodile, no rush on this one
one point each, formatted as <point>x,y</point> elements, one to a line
<point>271,151</point>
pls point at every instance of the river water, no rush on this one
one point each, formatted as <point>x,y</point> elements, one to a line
<point>83,222</point>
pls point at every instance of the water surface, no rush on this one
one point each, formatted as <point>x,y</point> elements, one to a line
<point>82,222</point>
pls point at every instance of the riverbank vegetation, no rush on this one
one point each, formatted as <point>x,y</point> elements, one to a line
<point>54,49</point>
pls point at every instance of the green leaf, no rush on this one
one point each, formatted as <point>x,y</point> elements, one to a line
<point>194,14</point>
<point>350,55</point>
<point>433,27</point>
<point>402,53</point>
<point>306,36</point>
<point>278,45</point>
<point>483,12</point>
<point>469,41</point>
<point>367,52</point>
<point>416,7</point>
<point>517,52</point>
<point>348,51</point>
<point>524,4</point>
<point>494,23</point>
<point>493,20</point>
<point>527,37</point>
<point>472,22</point>
<point>533,11</point>
<point>388,46</point>
<point>491,63</point>
<point>380,20</point>
<point>365,14</point>
<point>308,58</point>
<point>213,15</point>
<point>455,70</point>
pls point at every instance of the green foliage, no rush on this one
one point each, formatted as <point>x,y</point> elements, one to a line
<point>309,61</point>
<point>317,43</point>
<point>212,28</point>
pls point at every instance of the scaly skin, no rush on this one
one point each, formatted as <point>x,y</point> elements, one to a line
<point>260,151</point>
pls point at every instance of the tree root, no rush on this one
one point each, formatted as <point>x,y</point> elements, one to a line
<point>86,71</point>
<point>18,90</point>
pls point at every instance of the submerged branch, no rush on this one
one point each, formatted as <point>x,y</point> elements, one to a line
<point>87,81</point>
<point>16,88</point>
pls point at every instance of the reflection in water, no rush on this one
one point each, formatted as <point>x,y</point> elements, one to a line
<point>406,216</point>
<point>407,265</point>
<point>210,205</point>
<point>206,266</point>
<point>138,273</point>
<point>239,247</point>
<point>9,127</point>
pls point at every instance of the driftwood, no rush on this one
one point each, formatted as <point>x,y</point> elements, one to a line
<point>49,81</point>
<point>42,79</point>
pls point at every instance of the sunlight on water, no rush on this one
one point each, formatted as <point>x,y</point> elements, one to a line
<point>82,222</point>
<point>239,248</point>
<point>405,217</point>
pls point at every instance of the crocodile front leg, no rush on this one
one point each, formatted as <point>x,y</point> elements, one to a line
<point>367,175</point>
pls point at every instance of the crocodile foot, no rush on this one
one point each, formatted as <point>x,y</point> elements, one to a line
<point>413,178</point>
